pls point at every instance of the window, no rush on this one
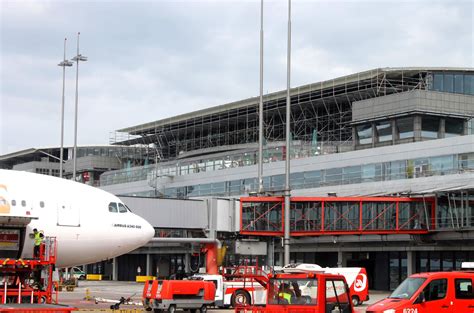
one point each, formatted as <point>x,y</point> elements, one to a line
<point>463,287</point>
<point>407,288</point>
<point>113,207</point>
<point>458,83</point>
<point>405,127</point>
<point>429,127</point>
<point>364,132</point>
<point>384,131</point>
<point>454,127</point>
<point>41,204</point>
<point>436,290</point>
<point>469,84</point>
<point>23,203</point>
<point>13,202</point>
<point>337,296</point>
<point>293,291</point>
<point>448,83</point>
<point>438,82</point>
<point>122,208</point>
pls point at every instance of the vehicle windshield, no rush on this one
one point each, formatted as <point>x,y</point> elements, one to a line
<point>293,291</point>
<point>407,288</point>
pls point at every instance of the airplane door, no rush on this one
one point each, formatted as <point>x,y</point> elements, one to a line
<point>68,215</point>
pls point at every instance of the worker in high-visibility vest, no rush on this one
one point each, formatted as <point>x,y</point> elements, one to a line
<point>38,240</point>
<point>285,293</point>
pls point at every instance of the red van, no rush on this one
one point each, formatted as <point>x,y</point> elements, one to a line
<point>443,292</point>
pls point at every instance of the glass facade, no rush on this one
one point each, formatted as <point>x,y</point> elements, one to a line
<point>385,171</point>
<point>453,83</point>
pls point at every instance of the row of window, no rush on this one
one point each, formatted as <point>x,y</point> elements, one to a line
<point>23,203</point>
<point>405,128</point>
<point>386,171</point>
<point>453,83</point>
<point>115,207</point>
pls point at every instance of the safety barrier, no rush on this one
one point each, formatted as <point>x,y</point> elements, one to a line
<point>94,277</point>
<point>142,279</point>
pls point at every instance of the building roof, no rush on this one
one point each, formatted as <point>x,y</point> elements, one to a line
<point>296,90</point>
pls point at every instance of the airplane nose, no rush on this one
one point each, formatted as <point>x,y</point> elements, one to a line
<point>148,231</point>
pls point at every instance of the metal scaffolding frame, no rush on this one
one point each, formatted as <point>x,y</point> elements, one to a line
<point>320,112</point>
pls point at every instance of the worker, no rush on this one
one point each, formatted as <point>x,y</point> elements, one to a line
<point>37,243</point>
<point>285,293</point>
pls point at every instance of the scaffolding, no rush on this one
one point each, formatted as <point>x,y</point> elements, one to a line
<point>320,112</point>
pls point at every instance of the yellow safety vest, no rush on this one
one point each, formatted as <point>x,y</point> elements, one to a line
<point>285,296</point>
<point>38,239</point>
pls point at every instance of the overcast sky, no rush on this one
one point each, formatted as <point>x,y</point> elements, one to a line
<point>154,59</point>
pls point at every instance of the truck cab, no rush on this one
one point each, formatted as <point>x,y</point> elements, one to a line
<point>430,292</point>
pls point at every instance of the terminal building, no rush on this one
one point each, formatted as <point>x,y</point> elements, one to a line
<point>382,176</point>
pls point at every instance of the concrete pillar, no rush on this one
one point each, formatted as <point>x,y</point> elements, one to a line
<point>281,260</point>
<point>417,127</point>
<point>114,269</point>
<point>442,128</point>
<point>411,263</point>
<point>341,259</point>
<point>148,264</point>
<point>394,131</point>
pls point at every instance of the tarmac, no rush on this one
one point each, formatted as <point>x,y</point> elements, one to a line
<point>89,297</point>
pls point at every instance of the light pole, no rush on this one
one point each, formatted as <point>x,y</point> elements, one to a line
<point>77,59</point>
<point>63,63</point>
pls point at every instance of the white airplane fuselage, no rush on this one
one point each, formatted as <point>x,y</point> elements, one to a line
<point>89,224</point>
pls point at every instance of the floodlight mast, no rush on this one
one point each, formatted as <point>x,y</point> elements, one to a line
<point>260,109</point>
<point>64,63</point>
<point>286,239</point>
<point>77,59</point>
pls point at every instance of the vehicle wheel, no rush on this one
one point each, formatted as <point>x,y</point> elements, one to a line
<point>157,310</point>
<point>82,277</point>
<point>355,301</point>
<point>172,309</point>
<point>192,310</point>
<point>240,298</point>
<point>203,309</point>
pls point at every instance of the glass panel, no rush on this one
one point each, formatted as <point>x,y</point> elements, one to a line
<point>394,270</point>
<point>113,207</point>
<point>305,216</point>
<point>438,82</point>
<point>463,287</point>
<point>297,180</point>
<point>364,132</point>
<point>436,290</point>
<point>429,127</point>
<point>405,127</point>
<point>351,174</point>
<point>122,208</point>
<point>442,165</point>
<point>435,262</point>
<point>448,264</point>
<point>337,295</point>
<point>458,83</point>
<point>278,181</point>
<point>453,127</point>
<point>384,131</point>
<point>469,84</point>
<point>333,176</point>
<point>371,172</point>
<point>312,179</point>
<point>448,83</point>
<point>293,291</point>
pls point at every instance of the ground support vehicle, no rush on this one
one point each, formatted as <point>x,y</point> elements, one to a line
<point>307,290</point>
<point>29,280</point>
<point>238,286</point>
<point>26,285</point>
<point>170,295</point>
<point>446,292</point>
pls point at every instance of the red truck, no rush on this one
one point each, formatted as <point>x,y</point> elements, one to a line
<point>304,291</point>
<point>170,295</point>
<point>435,292</point>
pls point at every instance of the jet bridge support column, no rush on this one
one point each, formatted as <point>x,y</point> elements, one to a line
<point>148,264</point>
<point>114,269</point>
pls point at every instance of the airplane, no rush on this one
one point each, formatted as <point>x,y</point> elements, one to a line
<point>90,224</point>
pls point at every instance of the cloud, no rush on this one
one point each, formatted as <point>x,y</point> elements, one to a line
<point>151,60</point>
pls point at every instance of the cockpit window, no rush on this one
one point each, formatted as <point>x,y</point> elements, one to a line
<point>113,207</point>
<point>122,208</point>
<point>128,209</point>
